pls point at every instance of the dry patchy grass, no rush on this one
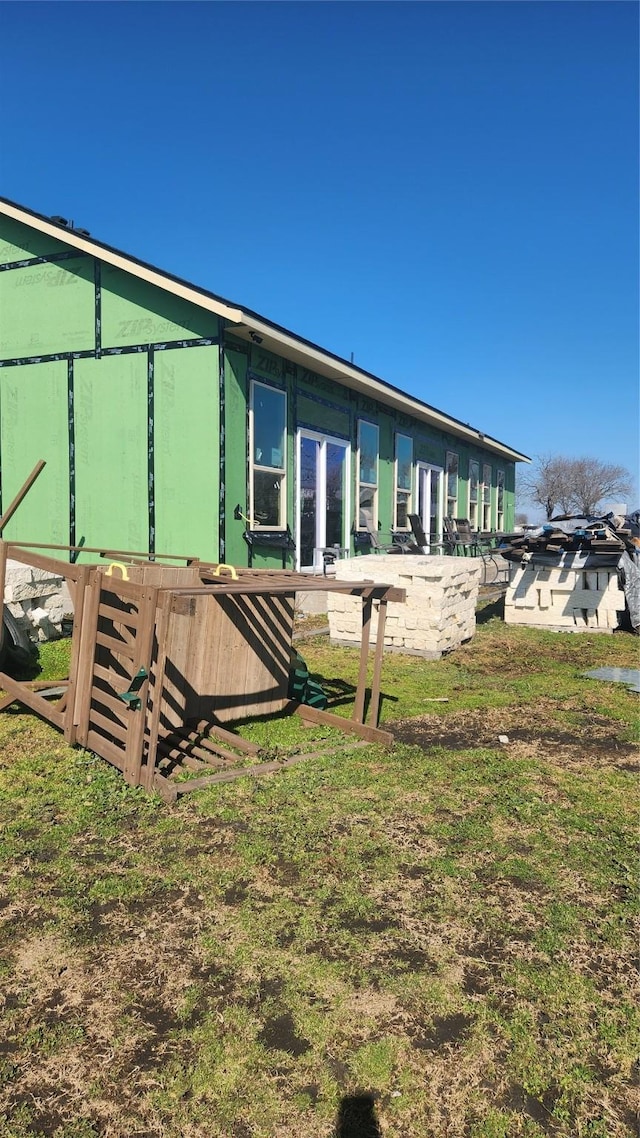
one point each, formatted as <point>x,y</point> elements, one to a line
<point>446,927</point>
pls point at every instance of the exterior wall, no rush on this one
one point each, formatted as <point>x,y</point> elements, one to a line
<point>138,402</point>
<point>115,383</point>
<point>320,404</point>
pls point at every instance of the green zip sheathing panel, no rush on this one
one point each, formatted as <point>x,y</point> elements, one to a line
<point>135,312</point>
<point>321,416</point>
<point>18,242</point>
<point>34,425</point>
<point>186,450</point>
<point>111,451</point>
<point>47,308</point>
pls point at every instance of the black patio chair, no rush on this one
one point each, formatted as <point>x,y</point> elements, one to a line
<point>423,544</point>
<point>459,537</point>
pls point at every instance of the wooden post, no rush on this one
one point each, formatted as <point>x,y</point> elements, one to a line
<point>141,659</point>
<point>10,511</point>
<point>78,595</point>
<point>374,705</point>
<point>155,692</point>
<point>3,574</point>
<point>358,707</point>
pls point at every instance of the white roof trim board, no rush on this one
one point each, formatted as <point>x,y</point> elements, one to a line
<point>247,324</point>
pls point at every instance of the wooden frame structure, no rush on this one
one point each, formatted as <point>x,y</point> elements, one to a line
<point>164,655</point>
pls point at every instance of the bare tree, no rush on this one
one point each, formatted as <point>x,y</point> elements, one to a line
<point>547,484</point>
<point>573,485</point>
<point>594,482</point>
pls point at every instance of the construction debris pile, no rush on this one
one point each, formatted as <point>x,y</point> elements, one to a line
<point>609,537</point>
<point>611,542</point>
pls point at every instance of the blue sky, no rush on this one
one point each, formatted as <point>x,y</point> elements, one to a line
<point>447,190</point>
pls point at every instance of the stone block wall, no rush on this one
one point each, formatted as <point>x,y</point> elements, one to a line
<point>575,600</point>
<point>440,610</point>
<point>38,599</point>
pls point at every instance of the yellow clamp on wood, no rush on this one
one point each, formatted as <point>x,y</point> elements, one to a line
<point>117,565</point>
<point>231,568</point>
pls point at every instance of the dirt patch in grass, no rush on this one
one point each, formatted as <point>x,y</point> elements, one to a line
<point>593,738</point>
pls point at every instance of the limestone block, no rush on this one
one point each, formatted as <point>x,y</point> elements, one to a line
<point>575,599</point>
<point>441,598</point>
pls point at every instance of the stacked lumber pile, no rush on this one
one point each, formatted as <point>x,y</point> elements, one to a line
<point>609,536</point>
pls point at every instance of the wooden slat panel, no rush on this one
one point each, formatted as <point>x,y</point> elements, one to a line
<point>117,587</point>
<point>208,747</point>
<point>105,749</point>
<point>118,647</point>
<point>110,700</point>
<point>119,616</point>
<point>109,726</point>
<point>205,728</point>
<point>215,749</point>
<point>111,676</point>
<point>182,750</point>
<point>231,658</point>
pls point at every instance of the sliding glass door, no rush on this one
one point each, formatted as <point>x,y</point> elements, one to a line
<point>323,496</point>
<point>430,500</point>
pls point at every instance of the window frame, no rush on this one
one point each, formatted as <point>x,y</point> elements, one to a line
<point>474,465</point>
<point>405,491</point>
<point>500,486</point>
<point>452,510</point>
<point>263,468</point>
<point>362,483</point>
<point>485,485</point>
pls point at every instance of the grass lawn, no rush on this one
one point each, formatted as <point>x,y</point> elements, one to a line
<point>434,941</point>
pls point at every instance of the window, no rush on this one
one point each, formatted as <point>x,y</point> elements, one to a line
<point>367,475</point>
<point>486,496</point>
<point>500,518</point>
<point>474,479</point>
<point>452,484</point>
<point>404,464</point>
<point>267,430</point>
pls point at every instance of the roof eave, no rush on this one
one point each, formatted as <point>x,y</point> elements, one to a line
<point>292,347</point>
<point>110,256</point>
<point>244,323</point>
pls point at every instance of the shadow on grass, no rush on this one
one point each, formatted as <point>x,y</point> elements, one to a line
<point>357,1118</point>
<point>339,693</point>
<point>492,609</point>
<point>21,663</point>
